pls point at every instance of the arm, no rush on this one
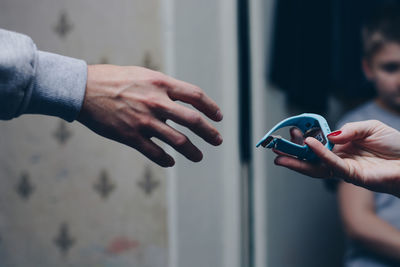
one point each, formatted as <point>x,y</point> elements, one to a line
<point>130,105</point>
<point>37,82</point>
<point>363,225</point>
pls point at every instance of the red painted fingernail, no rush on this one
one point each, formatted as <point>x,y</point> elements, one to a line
<point>335,133</point>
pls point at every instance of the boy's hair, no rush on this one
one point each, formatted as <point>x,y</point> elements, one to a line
<point>382,27</point>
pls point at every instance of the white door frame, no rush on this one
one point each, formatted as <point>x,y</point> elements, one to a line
<point>223,227</point>
<point>261,20</point>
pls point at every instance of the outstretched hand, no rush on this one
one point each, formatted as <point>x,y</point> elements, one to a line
<point>132,104</point>
<point>366,153</point>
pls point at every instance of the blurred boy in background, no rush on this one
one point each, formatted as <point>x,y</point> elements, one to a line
<point>372,220</point>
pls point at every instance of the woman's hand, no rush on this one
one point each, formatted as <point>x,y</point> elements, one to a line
<point>366,153</point>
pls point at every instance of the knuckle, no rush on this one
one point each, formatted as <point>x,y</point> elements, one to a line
<point>181,141</point>
<point>145,121</point>
<point>197,93</point>
<point>158,79</point>
<point>132,142</point>
<point>139,146</point>
<point>155,103</point>
<point>151,152</point>
<point>195,119</point>
<point>377,123</point>
<point>351,173</point>
<point>158,154</point>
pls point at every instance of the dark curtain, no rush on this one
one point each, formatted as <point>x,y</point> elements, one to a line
<point>317,51</point>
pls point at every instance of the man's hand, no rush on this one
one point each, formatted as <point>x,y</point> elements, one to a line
<point>366,153</point>
<point>132,104</point>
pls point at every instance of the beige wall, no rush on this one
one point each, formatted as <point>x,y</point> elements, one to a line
<point>52,211</point>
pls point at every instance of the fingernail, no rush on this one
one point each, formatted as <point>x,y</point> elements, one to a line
<point>171,162</point>
<point>277,161</point>
<point>199,157</point>
<point>219,115</point>
<point>307,139</point>
<point>219,139</point>
<point>335,133</point>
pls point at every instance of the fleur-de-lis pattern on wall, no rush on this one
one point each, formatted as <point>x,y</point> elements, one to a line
<point>148,62</point>
<point>24,187</point>
<point>104,186</point>
<point>63,240</point>
<point>63,26</point>
<point>148,183</point>
<point>62,134</point>
<point>69,197</point>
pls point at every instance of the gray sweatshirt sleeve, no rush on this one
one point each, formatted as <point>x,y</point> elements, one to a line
<point>36,82</point>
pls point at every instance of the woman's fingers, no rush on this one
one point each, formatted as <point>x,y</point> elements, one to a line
<point>354,131</point>
<point>296,136</point>
<point>280,153</point>
<point>329,166</point>
<point>304,167</point>
<point>333,161</point>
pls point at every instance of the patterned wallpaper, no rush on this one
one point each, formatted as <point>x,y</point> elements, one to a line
<point>67,196</point>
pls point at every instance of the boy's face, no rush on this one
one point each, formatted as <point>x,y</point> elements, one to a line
<point>383,69</point>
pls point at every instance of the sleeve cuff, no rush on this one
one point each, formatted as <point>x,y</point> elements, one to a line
<point>59,86</point>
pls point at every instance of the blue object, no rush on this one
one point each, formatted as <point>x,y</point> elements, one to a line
<point>310,124</point>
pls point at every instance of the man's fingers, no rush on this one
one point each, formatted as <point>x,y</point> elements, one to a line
<point>301,166</point>
<point>194,121</point>
<point>332,160</point>
<point>155,153</point>
<point>193,95</point>
<point>177,140</point>
<point>296,136</point>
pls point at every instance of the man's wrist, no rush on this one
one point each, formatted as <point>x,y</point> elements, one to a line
<point>59,86</point>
